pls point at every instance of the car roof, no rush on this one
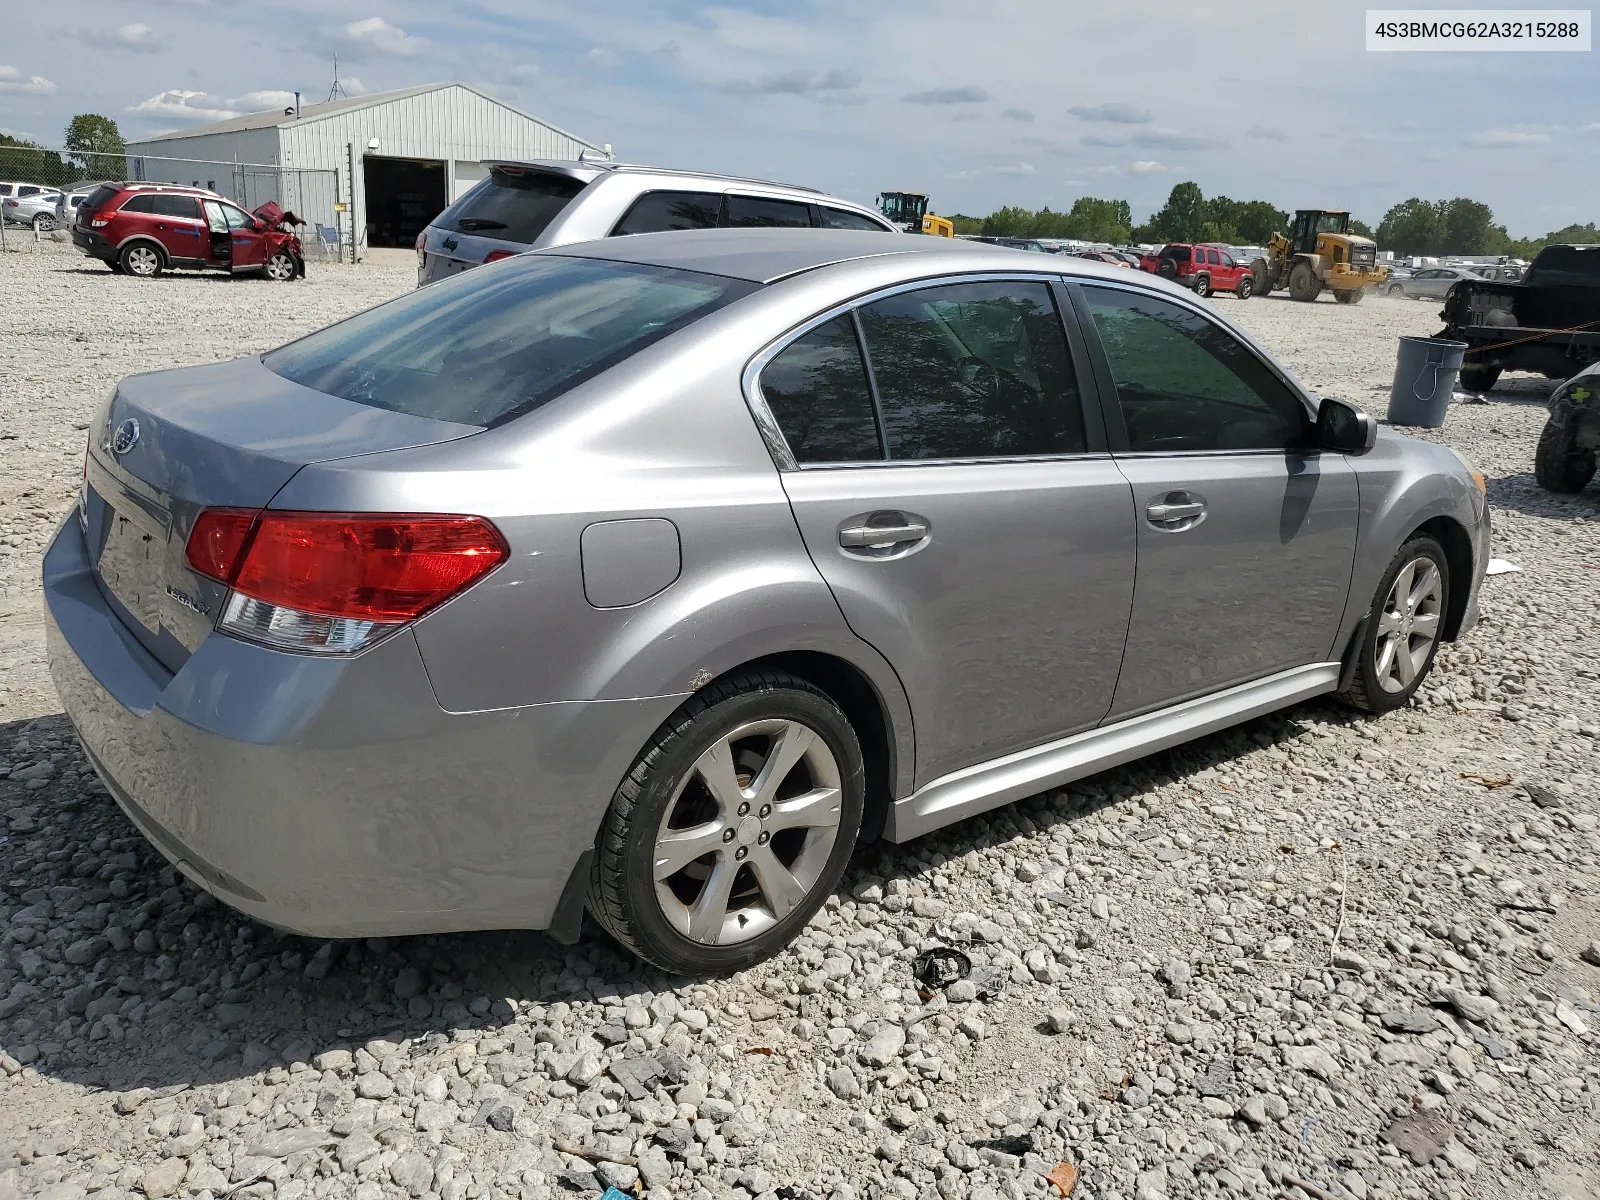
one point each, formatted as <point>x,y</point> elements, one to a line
<point>768,255</point>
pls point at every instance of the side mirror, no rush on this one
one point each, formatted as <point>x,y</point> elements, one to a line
<point>1344,427</point>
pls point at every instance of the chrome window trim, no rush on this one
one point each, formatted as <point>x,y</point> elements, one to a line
<point>772,434</point>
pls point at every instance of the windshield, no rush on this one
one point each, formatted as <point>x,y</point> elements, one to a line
<point>1333,222</point>
<point>513,205</point>
<point>490,345</point>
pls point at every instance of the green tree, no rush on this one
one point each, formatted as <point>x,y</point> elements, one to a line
<point>1468,227</point>
<point>1412,227</point>
<point>1248,221</point>
<point>1184,217</point>
<point>29,162</point>
<point>96,144</point>
<point>965,224</point>
<point>1096,220</point>
<point>1362,228</point>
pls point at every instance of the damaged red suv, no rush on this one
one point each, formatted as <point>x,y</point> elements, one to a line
<point>144,229</point>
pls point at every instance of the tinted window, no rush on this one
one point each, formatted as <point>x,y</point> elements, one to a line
<point>746,211</point>
<point>1176,253</point>
<point>511,207</point>
<point>1227,259</point>
<point>487,346</point>
<point>1213,258</point>
<point>175,206</point>
<point>99,196</point>
<point>973,370</point>
<point>1185,384</point>
<point>839,218</point>
<point>140,204</point>
<point>27,189</point>
<point>817,390</point>
<point>656,211</point>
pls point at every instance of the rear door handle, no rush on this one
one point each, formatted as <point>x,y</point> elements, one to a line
<point>1176,511</point>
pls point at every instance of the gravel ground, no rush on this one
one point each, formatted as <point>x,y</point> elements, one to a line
<point>1317,956</point>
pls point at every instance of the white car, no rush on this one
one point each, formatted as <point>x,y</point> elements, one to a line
<point>31,204</point>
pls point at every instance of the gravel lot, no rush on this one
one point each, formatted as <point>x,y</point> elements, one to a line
<point>1318,956</point>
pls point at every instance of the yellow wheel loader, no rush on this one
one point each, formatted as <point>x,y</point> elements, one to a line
<point>909,210</point>
<point>1319,253</point>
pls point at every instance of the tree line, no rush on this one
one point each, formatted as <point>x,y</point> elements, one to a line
<point>1413,227</point>
<point>92,148</point>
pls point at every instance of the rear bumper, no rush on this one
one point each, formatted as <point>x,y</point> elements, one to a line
<point>335,798</point>
<point>93,244</point>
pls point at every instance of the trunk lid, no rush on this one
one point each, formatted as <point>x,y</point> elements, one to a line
<point>171,443</point>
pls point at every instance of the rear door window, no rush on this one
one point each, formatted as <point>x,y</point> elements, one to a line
<point>973,370</point>
<point>486,346</point>
<point>655,212</point>
<point>839,218</point>
<point>145,203</point>
<point>511,205</point>
<point>818,393</point>
<point>175,206</point>
<point>757,211</point>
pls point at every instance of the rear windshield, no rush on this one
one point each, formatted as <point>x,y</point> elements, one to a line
<point>99,196</point>
<point>514,207</point>
<point>1176,253</point>
<point>492,344</point>
<point>1572,265</point>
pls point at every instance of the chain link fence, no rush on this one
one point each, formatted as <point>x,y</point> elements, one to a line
<point>314,195</point>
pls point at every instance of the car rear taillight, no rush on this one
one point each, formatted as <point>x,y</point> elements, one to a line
<point>422,245</point>
<point>333,583</point>
<point>497,255</point>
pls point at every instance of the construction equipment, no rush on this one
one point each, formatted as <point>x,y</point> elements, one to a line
<point>1320,252</point>
<point>909,210</point>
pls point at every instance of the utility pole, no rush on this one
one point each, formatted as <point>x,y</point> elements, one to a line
<point>336,92</point>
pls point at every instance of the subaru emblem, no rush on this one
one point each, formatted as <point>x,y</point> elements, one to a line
<point>125,437</point>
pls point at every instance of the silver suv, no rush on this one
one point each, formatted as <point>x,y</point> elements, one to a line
<point>536,205</point>
<point>658,573</point>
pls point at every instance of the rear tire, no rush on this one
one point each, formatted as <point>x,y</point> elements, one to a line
<point>1349,295</point>
<point>1202,285</point>
<point>1479,379</point>
<point>1395,289</point>
<point>1246,287</point>
<point>1559,463</point>
<point>1304,285</point>
<point>1403,629</point>
<point>142,260</point>
<point>704,784</point>
<point>43,223</point>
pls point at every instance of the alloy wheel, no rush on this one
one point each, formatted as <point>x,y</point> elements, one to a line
<point>143,261</point>
<point>1409,624</point>
<point>748,833</point>
<point>280,267</point>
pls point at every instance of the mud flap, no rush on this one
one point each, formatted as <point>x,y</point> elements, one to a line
<point>567,921</point>
<point>1352,656</point>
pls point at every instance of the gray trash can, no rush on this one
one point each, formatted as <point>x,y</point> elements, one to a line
<point>1424,379</point>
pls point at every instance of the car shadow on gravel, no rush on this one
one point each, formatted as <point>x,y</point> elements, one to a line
<point>1521,493</point>
<point>117,973</point>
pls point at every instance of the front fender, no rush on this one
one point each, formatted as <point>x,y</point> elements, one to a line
<point>1405,483</point>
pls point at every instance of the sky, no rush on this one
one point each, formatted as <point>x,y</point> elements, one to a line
<point>1024,102</point>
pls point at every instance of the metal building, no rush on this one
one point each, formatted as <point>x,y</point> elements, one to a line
<point>407,153</point>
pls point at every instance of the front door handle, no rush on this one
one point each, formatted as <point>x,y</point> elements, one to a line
<point>858,537</point>
<point>1176,511</point>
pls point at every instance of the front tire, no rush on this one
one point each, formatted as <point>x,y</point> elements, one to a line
<point>1559,463</point>
<point>281,267</point>
<point>1349,295</point>
<point>142,260</point>
<point>732,827</point>
<point>1403,628</point>
<point>1304,285</point>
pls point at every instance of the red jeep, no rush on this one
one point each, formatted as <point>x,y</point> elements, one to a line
<point>144,228</point>
<point>1204,268</point>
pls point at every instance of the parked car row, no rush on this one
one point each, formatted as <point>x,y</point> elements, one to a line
<point>29,204</point>
<point>653,573</point>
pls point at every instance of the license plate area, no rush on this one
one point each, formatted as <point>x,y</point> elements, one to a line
<point>133,559</point>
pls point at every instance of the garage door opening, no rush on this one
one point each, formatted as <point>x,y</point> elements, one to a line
<point>403,195</point>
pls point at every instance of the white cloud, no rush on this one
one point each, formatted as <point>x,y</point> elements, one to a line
<point>1174,139</point>
<point>186,105</point>
<point>966,94</point>
<point>1118,113</point>
<point>259,101</point>
<point>1017,114</point>
<point>795,83</point>
<point>1021,168</point>
<point>1146,166</point>
<point>1506,139</point>
<point>604,56</point>
<point>1104,139</point>
<point>374,35</point>
<point>13,80</point>
<point>1267,133</point>
<point>353,86</point>
<point>137,37</point>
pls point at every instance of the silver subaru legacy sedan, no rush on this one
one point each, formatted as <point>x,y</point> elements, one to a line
<point>652,575</point>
